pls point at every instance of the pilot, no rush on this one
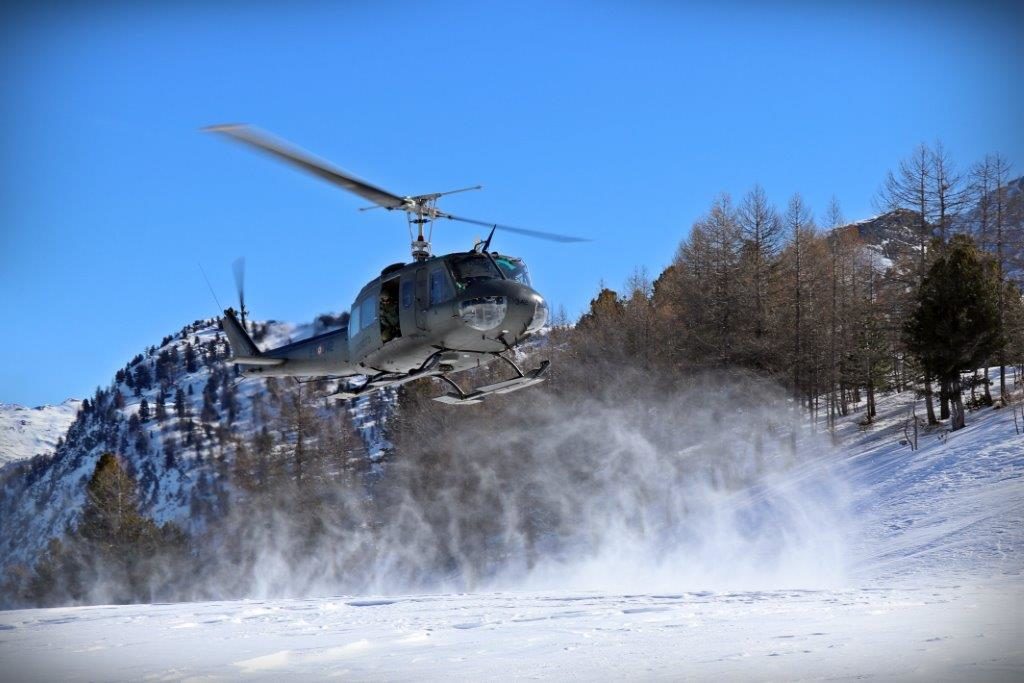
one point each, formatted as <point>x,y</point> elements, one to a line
<point>389,326</point>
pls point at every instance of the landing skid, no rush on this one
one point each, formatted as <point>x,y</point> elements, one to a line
<point>388,379</point>
<point>459,396</point>
<point>524,380</point>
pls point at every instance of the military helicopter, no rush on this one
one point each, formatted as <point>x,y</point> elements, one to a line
<point>433,317</point>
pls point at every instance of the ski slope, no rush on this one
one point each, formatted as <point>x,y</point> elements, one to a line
<point>931,591</point>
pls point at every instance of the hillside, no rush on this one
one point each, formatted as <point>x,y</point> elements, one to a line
<point>180,453</point>
<point>29,432</point>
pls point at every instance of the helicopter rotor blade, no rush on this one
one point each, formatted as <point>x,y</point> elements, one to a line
<point>539,234</point>
<point>262,141</point>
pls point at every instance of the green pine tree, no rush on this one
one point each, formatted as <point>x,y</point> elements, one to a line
<point>955,326</point>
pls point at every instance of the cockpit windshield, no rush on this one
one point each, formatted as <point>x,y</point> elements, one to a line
<point>513,268</point>
<point>470,268</point>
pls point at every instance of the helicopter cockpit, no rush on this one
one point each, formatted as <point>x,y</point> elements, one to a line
<point>472,267</point>
<point>513,267</point>
<point>475,266</point>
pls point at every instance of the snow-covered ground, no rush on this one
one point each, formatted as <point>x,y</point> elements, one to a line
<point>931,590</point>
<point>26,432</point>
<point>949,632</point>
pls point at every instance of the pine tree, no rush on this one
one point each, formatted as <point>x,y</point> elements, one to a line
<point>799,224</point>
<point>142,442</point>
<point>209,412</point>
<point>761,232</point>
<point>909,188</point>
<point>161,408</point>
<point>190,358</point>
<point>113,552</point>
<point>179,403</point>
<point>143,379</point>
<point>170,448</point>
<point>956,325</point>
<point>144,410</point>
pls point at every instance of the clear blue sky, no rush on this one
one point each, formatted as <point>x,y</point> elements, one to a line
<point>617,120</point>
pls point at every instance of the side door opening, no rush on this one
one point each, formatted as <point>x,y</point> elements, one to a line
<point>390,328</point>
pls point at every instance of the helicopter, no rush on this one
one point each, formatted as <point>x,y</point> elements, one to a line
<point>432,317</point>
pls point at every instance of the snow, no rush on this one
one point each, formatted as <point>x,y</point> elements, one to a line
<point>27,432</point>
<point>929,589</point>
<point>953,632</point>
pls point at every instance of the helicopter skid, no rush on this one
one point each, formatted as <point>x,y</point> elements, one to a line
<point>343,394</point>
<point>529,379</point>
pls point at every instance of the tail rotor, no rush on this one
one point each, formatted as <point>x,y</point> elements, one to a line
<point>239,267</point>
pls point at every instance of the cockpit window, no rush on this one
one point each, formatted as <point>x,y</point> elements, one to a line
<point>513,268</point>
<point>473,267</point>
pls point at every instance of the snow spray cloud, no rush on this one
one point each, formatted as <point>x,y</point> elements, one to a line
<point>716,486</point>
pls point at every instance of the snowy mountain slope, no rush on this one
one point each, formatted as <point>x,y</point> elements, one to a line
<point>180,462</point>
<point>932,591</point>
<point>37,503</point>
<point>27,432</point>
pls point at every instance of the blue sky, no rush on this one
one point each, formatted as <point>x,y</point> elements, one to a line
<point>616,120</point>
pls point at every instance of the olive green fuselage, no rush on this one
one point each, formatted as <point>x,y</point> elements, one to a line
<point>415,315</point>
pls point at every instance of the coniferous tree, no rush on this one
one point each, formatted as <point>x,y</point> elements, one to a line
<point>161,407</point>
<point>761,233</point>
<point>179,403</point>
<point>800,226</point>
<point>142,442</point>
<point>114,552</point>
<point>143,379</point>
<point>170,448</point>
<point>191,364</point>
<point>957,321</point>
<point>209,412</point>
<point>909,188</point>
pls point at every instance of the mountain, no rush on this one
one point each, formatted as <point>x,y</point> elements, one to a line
<point>895,233</point>
<point>890,236</point>
<point>980,221</point>
<point>27,432</point>
<point>175,415</point>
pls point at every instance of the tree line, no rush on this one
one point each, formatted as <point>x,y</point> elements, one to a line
<point>810,304</point>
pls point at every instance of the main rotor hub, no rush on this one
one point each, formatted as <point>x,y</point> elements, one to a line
<point>420,211</point>
<point>420,250</point>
